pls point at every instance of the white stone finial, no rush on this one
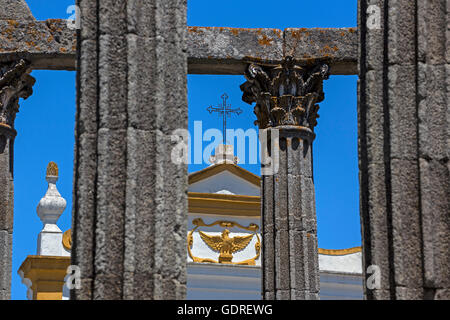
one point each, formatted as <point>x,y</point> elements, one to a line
<point>224,154</point>
<point>49,209</point>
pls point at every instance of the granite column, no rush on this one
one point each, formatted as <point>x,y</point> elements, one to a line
<point>15,83</point>
<point>130,198</point>
<point>403,118</point>
<point>286,97</point>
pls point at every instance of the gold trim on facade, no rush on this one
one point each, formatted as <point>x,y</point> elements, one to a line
<point>223,244</point>
<point>339,252</point>
<point>224,204</point>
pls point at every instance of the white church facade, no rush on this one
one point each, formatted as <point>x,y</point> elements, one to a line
<point>223,241</point>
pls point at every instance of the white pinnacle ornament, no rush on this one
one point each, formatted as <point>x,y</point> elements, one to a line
<point>49,209</point>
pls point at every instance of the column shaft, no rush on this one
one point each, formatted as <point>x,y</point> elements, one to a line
<point>403,132</point>
<point>290,268</point>
<point>130,199</point>
<point>15,83</point>
<point>286,111</point>
<point>6,209</point>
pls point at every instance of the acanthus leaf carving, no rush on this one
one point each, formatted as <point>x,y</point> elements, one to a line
<point>287,94</point>
<point>15,83</point>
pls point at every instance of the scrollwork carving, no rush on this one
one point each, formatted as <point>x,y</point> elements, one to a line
<point>286,94</point>
<point>15,83</point>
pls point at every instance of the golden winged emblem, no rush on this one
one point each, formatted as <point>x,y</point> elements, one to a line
<point>225,245</point>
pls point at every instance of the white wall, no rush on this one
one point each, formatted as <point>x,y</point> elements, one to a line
<point>225,282</point>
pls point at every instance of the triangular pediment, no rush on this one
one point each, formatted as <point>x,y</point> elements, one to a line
<point>225,178</point>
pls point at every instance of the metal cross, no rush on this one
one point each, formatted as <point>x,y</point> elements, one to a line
<point>224,110</point>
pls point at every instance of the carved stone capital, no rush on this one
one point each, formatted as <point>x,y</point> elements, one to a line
<point>286,94</point>
<point>15,83</point>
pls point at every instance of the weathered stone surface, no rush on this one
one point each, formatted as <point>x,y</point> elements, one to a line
<point>83,221</point>
<point>370,21</point>
<point>290,267</point>
<point>111,193</point>
<point>442,294</point>
<point>15,9</point>
<point>47,44</point>
<point>336,45</point>
<point>402,111</point>
<point>401,32</point>
<point>405,220</point>
<point>6,183</point>
<point>236,47</point>
<point>15,83</point>
<point>403,147</point>
<point>89,23</point>
<point>51,44</point>
<point>433,110</point>
<point>435,205</point>
<point>131,198</point>
<point>5,264</point>
<point>85,163</point>
<point>432,32</point>
<point>268,248</point>
<point>402,293</point>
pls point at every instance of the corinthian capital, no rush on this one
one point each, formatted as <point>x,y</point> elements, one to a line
<point>15,83</point>
<point>286,94</point>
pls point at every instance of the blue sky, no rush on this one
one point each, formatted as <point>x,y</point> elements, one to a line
<point>45,123</point>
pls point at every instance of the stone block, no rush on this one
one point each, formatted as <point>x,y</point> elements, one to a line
<point>15,10</point>
<point>89,19</point>
<point>282,269</point>
<point>299,260</point>
<point>372,112</point>
<point>435,219</point>
<point>432,32</point>
<point>339,45</point>
<point>112,73</point>
<point>112,17</point>
<point>433,109</point>
<point>87,95</point>
<point>5,264</point>
<point>111,201</point>
<point>406,230</point>
<point>442,294</point>
<point>47,44</point>
<point>231,48</point>
<point>402,293</point>
<point>402,32</point>
<point>269,262</point>
<point>402,112</point>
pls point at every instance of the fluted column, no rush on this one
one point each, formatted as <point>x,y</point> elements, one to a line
<point>403,119</point>
<point>130,198</point>
<point>15,83</point>
<point>286,98</point>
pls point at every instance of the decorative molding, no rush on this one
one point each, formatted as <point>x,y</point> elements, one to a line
<point>44,276</point>
<point>224,204</point>
<point>217,168</point>
<point>223,244</point>
<point>15,83</point>
<point>339,252</point>
<point>285,95</point>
